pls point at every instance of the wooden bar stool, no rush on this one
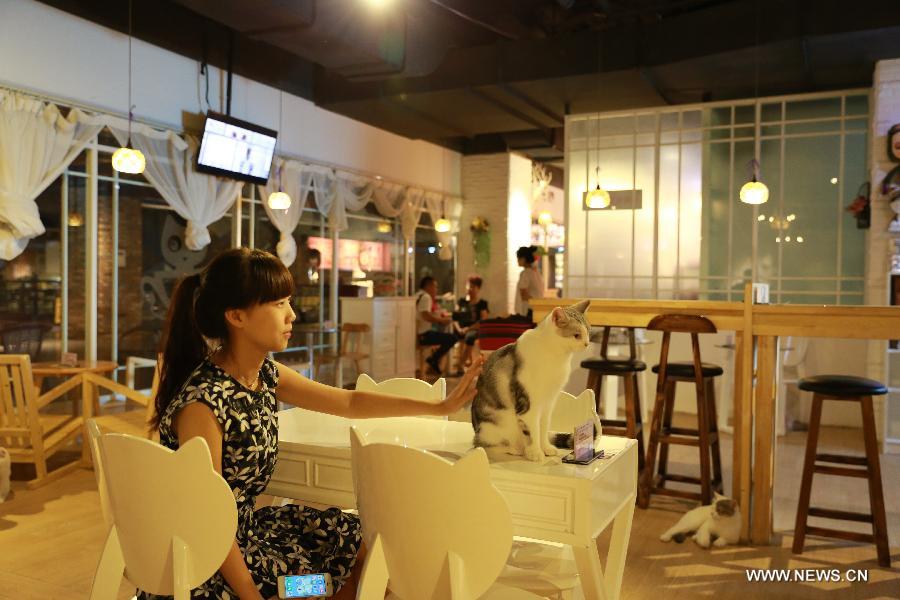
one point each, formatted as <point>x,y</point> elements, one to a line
<point>628,369</point>
<point>847,389</point>
<point>662,434</point>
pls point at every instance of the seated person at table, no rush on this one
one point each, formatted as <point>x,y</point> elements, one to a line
<point>469,312</point>
<point>427,316</point>
<point>226,393</point>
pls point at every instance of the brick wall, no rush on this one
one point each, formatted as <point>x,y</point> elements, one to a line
<point>130,303</point>
<point>885,112</point>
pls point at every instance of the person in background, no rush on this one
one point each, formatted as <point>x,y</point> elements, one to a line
<point>471,310</point>
<point>530,284</point>
<point>428,315</point>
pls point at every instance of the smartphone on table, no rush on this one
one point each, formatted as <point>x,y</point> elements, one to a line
<point>313,585</point>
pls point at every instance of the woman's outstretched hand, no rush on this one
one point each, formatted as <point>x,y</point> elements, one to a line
<point>465,390</point>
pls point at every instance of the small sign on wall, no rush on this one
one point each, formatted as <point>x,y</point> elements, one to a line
<point>122,255</point>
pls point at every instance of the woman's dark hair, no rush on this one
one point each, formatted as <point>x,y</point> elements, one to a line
<point>236,278</point>
<point>475,280</point>
<point>425,281</point>
<point>527,253</point>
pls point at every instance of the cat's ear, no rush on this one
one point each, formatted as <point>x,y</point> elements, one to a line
<point>581,306</point>
<point>559,317</point>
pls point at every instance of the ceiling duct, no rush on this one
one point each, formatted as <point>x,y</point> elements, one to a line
<point>342,36</point>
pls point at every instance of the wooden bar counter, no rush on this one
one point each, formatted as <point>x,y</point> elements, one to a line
<point>756,327</point>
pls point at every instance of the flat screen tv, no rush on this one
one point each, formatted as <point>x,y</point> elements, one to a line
<point>237,149</point>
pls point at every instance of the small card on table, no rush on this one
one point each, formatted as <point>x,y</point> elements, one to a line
<point>584,441</point>
<point>69,359</point>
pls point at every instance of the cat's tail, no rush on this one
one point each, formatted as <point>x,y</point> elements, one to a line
<point>564,441</point>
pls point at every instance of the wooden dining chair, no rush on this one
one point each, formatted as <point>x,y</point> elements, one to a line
<point>27,431</point>
<point>351,348</point>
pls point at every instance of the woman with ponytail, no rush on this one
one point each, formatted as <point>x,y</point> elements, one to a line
<point>530,284</point>
<point>217,382</point>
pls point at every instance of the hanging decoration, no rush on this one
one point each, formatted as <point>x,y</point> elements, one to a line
<point>481,241</point>
<point>860,208</point>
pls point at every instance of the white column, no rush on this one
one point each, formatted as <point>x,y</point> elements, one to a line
<point>92,226</point>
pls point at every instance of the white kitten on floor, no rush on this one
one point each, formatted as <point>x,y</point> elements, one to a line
<point>719,521</point>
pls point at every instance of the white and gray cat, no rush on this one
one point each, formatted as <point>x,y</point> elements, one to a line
<point>718,523</point>
<point>520,382</point>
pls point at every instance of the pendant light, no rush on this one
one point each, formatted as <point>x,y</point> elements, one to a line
<point>755,191</point>
<point>128,159</point>
<point>597,198</point>
<point>442,225</point>
<point>279,200</point>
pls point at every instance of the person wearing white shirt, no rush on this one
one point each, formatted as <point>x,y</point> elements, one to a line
<point>426,318</point>
<point>530,284</point>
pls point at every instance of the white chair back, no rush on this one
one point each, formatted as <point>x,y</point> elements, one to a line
<point>571,411</point>
<point>93,433</point>
<point>175,517</point>
<point>437,529</point>
<point>406,387</point>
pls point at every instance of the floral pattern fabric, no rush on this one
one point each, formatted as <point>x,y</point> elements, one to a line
<point>284,540</point>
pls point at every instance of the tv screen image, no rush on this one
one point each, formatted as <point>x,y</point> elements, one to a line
<point>237,149</point>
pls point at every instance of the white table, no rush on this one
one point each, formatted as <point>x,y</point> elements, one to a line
<point>556,502</point>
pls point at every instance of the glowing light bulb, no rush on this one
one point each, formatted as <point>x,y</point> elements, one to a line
<point>597,198</point>
<point>442,225</point>
<point>754,192</point>
<point>128,160</point>
<point>279,200</point>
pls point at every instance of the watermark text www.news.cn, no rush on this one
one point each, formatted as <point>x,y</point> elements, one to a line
<point>808,575</point>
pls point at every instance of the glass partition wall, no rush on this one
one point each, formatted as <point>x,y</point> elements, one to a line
<point>676,228</point>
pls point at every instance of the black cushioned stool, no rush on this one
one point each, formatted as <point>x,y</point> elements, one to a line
<point>662,434</point>
<point>628,369</point>
<point>847,389</point>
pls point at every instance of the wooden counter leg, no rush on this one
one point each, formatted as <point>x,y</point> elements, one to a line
<point>764,449</point>
<point>743,429</point>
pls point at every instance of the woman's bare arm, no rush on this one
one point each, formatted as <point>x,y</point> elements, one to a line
<point>198,420</point>
<point>297,390</point>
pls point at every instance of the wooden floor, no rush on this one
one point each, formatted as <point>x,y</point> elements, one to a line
<point>51,539</point>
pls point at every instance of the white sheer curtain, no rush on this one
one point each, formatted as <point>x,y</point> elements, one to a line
<point>438,206</point>
<point>288,174</point>
<point>199,199</point>
<point>36,144</point>
<point>351,192</point>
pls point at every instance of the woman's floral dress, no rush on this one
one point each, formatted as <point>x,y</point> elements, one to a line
<point>275,541</point>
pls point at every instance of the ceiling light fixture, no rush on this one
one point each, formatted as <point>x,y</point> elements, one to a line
<point>442,225</point>
<point>279,200</point>
<point>754,191</point>
<point>127,159</point>
<point>597,198</point>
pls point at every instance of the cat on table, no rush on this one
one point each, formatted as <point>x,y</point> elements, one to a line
<point>520,382</point>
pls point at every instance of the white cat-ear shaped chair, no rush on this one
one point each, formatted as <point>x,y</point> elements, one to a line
<point>173,517</point>
<point>406,387</point>
<point>435,528</point>
<point>571,411</point>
